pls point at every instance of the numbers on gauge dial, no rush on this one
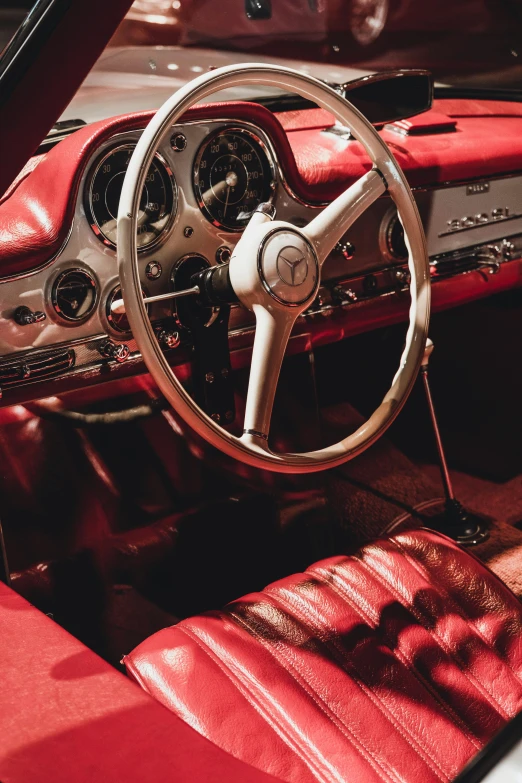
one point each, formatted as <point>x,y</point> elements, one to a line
<point>232,176</point>
<point>157,204</point>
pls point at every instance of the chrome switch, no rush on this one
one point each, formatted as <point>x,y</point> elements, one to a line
<point>25,317</point>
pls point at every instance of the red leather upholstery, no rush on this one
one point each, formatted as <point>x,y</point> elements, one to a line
<point>396,664</point>
<point>66,716</point>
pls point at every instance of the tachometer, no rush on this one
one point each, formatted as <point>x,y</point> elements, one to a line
<point>232,176</point>
<point>157,205</point>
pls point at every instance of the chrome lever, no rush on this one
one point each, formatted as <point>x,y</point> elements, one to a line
<point>118,306</point>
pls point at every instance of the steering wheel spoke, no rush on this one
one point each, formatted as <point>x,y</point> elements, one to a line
<point>273,328</point>
<point>333,222</point>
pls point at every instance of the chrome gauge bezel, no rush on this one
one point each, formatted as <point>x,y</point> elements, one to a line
<point>54,288</point>
<point>385,230</point>
<point>265,149</point>
<point>95,226</point>
<point>109,299</point>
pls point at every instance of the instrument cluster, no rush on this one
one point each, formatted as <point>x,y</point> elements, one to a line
<point>233,172</point>
<point>204,183</point>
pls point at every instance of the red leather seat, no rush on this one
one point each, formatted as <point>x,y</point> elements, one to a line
<point>396,664</point>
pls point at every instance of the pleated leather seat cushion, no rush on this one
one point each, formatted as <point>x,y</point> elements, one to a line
<point>397,664</point>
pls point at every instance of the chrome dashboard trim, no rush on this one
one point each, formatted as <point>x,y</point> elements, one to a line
<point>457,183</point>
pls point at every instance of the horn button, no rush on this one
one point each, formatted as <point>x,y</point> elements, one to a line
<point>288,267</point>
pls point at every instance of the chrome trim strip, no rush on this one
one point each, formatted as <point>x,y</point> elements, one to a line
<point>256,434</point>
<point>491,222</point>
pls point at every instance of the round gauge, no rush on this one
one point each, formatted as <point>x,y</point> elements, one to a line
<point>391,237</point>
<point>395,238</point>
<point>118,321</point>
<point>232,176</point>
<point>74,294</point>
<point>158,199</point>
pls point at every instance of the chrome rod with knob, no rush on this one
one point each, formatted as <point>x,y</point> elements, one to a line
<point>118,306</point>
<point>455,521</point>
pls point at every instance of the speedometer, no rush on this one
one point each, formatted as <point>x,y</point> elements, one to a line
<point>232,176</point>
<point>158,199</point>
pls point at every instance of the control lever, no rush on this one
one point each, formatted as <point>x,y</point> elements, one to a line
<point>118,306</point>
<point>455,521</point>
<point>491,258</point>
<point>212,286</point>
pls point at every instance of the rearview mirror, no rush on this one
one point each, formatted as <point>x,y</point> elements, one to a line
<point>392,95</point>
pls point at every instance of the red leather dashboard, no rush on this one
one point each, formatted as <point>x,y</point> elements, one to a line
<point>36,214</point>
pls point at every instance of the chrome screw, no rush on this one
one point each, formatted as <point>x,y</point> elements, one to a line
<point>178,142</point>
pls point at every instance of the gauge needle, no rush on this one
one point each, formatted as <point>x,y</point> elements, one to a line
<point>226,202</point>
<point>231,180</point>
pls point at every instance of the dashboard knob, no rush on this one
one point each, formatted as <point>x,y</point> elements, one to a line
<point>346,249</point>
<point>508,249</point>
<point>178,142</point>
<point>117,351</point>
<point>344,295</point>
<point>25,317</point>
<point>153,270</point>
<point>168,339</point>
<point>223,254</point>
<point>403,277</point>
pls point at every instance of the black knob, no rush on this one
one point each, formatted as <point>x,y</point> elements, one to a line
<point>25,317</point>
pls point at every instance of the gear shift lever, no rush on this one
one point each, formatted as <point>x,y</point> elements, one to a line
<point>455,521</point>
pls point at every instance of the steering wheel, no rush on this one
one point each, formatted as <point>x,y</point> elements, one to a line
<point>275,271</point>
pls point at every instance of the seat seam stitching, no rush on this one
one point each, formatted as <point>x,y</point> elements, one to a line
<point>351,598</point>
<point>379,768</point>
<point>423,571</point>
<point>444,645</point>
<point>254,703</point>
<point>421,751</point>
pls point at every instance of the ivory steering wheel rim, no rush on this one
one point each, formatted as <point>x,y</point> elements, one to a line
<point>251,273</point>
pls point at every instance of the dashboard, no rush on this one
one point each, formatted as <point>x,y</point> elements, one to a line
<point>57,325</point>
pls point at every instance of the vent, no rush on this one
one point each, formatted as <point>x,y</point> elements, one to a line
<point>35,367</point>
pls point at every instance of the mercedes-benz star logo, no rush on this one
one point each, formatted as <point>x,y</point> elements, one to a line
<point>292,266</point>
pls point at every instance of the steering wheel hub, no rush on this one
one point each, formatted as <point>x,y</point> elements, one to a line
<point>288,267</point>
